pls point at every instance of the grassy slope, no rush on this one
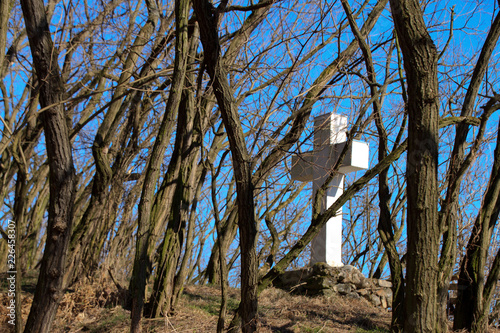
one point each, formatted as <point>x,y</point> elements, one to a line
<point>96,308</point>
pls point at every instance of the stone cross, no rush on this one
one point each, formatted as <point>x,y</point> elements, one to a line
<point>330,137</point>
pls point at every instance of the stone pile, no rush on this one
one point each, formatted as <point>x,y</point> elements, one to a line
<point>322,279</point>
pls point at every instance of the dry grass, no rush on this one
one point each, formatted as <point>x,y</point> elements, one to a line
<point>282,312</point>
<point>96,308</point>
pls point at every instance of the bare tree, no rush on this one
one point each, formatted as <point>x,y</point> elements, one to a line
<point>142,263</point>
<point>62,172</point>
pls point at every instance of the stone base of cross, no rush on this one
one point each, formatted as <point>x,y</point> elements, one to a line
<point>330,137</point>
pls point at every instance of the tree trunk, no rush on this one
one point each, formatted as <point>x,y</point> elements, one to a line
<point>30,242</point>
<point>458,164</point>
<point>222,254</point>
<point>146,226</point>
<point>5,9</point>
<point>20,204</point>
<point>183,167</point>
<point>193,178</point>
<point>241,164</point>
<point>92,229</point>
<point>224,239</point>
<point>473,305</point>
<point>420,62</point>
<point>385,220</point>
<point>62,173</point>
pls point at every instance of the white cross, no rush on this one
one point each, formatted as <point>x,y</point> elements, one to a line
<point>330,137</point>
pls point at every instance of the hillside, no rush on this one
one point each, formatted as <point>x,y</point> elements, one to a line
<point>96,308</point>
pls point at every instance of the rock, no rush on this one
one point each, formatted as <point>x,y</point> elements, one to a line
<point>383,302</point>
<point>363,292</point>
<point>323,269</point>
<point>329,292</point>
<point>343,288</point>
<point>384,283</point>
<point>355,279</point>
<point>320,282</point>
<point>322,279</point>
<point>291,279</point>
<point>386,292</point>
<point>385,295</point>
<point>363,284</point>
<point>349,268</point>
<point>353,295</point>
<point>374,299</point>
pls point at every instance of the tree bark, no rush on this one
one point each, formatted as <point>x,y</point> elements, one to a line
<point>473,303</point>
<point>184,160</point>
<point>5,8</point>
<point>62,173</point>
<point>420,62</point>
<point>242,165</point>
<point>385,219</point>
<point>91,230</point>
<point>19,219</point>
<point>463,316</point>
<point>146,226</point>
<point>227,234</point>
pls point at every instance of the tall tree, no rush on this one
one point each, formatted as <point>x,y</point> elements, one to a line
<point>62,172</point>
<point>475,290</point>
<point>476,287</point>
<point>148,222</point>
<point>386,219</point>
<point>420,58</point>
<point>242,164</point>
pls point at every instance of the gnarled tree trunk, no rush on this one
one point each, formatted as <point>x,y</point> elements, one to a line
<point>62,173</point>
